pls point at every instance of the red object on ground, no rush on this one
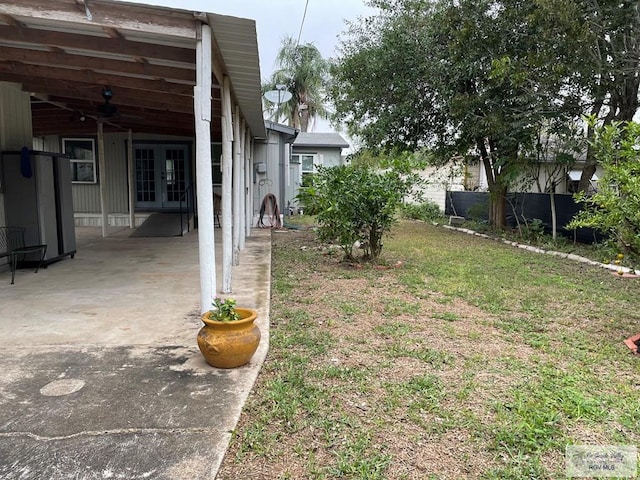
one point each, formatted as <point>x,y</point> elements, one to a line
<point>631,343</point>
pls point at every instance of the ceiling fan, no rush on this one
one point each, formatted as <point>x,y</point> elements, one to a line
<point>107,110</point>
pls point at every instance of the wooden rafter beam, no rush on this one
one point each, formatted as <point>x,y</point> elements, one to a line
<point>96,44</point>
<point>57,57</point>
<point>98,78</point>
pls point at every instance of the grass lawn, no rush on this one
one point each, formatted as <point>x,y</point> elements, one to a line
<point>463,359</point>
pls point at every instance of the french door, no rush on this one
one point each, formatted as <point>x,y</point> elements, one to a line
<point>162,175</point>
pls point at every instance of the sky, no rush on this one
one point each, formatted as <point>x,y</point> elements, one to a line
<point>277,19</point>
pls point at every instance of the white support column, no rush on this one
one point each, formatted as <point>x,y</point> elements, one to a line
<point>249,184</point>
<point>104,192</point>
<point>242,190</point>
<point>132,181</point>
<point>204,181</point>
<point>227,172</point>
<point>236,186</point>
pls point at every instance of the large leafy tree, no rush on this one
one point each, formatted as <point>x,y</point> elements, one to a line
<point>303,72</point>
<point>460,77</point>
<point>611,65</point>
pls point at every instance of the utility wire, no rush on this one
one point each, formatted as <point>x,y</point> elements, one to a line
<point>304,15</point>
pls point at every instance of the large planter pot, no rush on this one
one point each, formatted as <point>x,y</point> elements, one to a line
<point>229,344</point>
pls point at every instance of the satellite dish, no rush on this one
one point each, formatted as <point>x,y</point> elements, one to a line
<point>278,96</point>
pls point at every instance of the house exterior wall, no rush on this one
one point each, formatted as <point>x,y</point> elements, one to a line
<point>476,180</point>
<point>439,180</point>
<point>86,197</point>
<point>327,157</point>
<point>270,157</point>
<point>15,124</point>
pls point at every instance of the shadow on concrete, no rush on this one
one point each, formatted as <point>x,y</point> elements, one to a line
<point>102,377</point>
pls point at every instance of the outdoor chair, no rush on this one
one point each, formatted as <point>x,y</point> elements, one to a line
<point>12,245</point>
<point>217,209</point>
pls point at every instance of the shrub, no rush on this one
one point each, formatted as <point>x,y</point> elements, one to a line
<point>533,230</point>
<point>479,212</point>
<point>614,209</point>
<point>426,211</point>
<point>357,204</point>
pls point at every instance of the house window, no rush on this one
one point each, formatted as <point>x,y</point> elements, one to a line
<point>573,179</point>
<point>82,152</point>
<point>308,161</point>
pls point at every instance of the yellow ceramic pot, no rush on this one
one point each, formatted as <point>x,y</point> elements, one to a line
<point>229,344</point>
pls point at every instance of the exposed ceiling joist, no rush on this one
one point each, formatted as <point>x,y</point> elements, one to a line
<point>57,57</point>
<point>66,51</point>
<point>95,43</point>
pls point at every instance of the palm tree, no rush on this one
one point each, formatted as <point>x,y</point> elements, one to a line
<point>303,72</point>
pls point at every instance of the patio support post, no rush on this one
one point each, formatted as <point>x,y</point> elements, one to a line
<point>132,181</point>
<point>104,192</point>
<point>204,181</point>
<point>227,171</point>
<point>249,185</point>
<point>237,150</point>
<point>241,192</point>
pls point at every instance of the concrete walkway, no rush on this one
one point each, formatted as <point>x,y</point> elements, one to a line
<point>101,376</point>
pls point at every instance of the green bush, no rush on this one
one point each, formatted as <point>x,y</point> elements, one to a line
<point>533,231</point>
<point>426,211</point>
<point>479,212</point>
<point>306,195</point>
<point>356,205</point>
<point>614,209</point>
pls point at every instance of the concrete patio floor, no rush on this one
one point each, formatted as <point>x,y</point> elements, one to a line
<point>101,376</point>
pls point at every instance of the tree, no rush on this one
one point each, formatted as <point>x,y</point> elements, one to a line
<point>554,152</point>
<point>357,204</point>
<point>614,209</point>
<point>457,76</point>
<point>303,72</point>
<point>613,61</point>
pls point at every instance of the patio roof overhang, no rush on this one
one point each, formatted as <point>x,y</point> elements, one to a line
<point>65,52</point>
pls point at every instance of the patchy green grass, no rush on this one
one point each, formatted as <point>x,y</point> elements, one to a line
<point>473,360</point>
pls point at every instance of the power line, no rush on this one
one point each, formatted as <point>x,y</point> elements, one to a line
<point>304,15</point>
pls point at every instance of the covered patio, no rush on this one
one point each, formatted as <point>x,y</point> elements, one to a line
<point>101,373</point>
<point>97,68</point>
<point>102,377</point>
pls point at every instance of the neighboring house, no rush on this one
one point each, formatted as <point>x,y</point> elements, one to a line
<point>566,178</point>
<point>271,172</point>
<point>310,150</point>
<point>471,176</point>
<point>143,100</point>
